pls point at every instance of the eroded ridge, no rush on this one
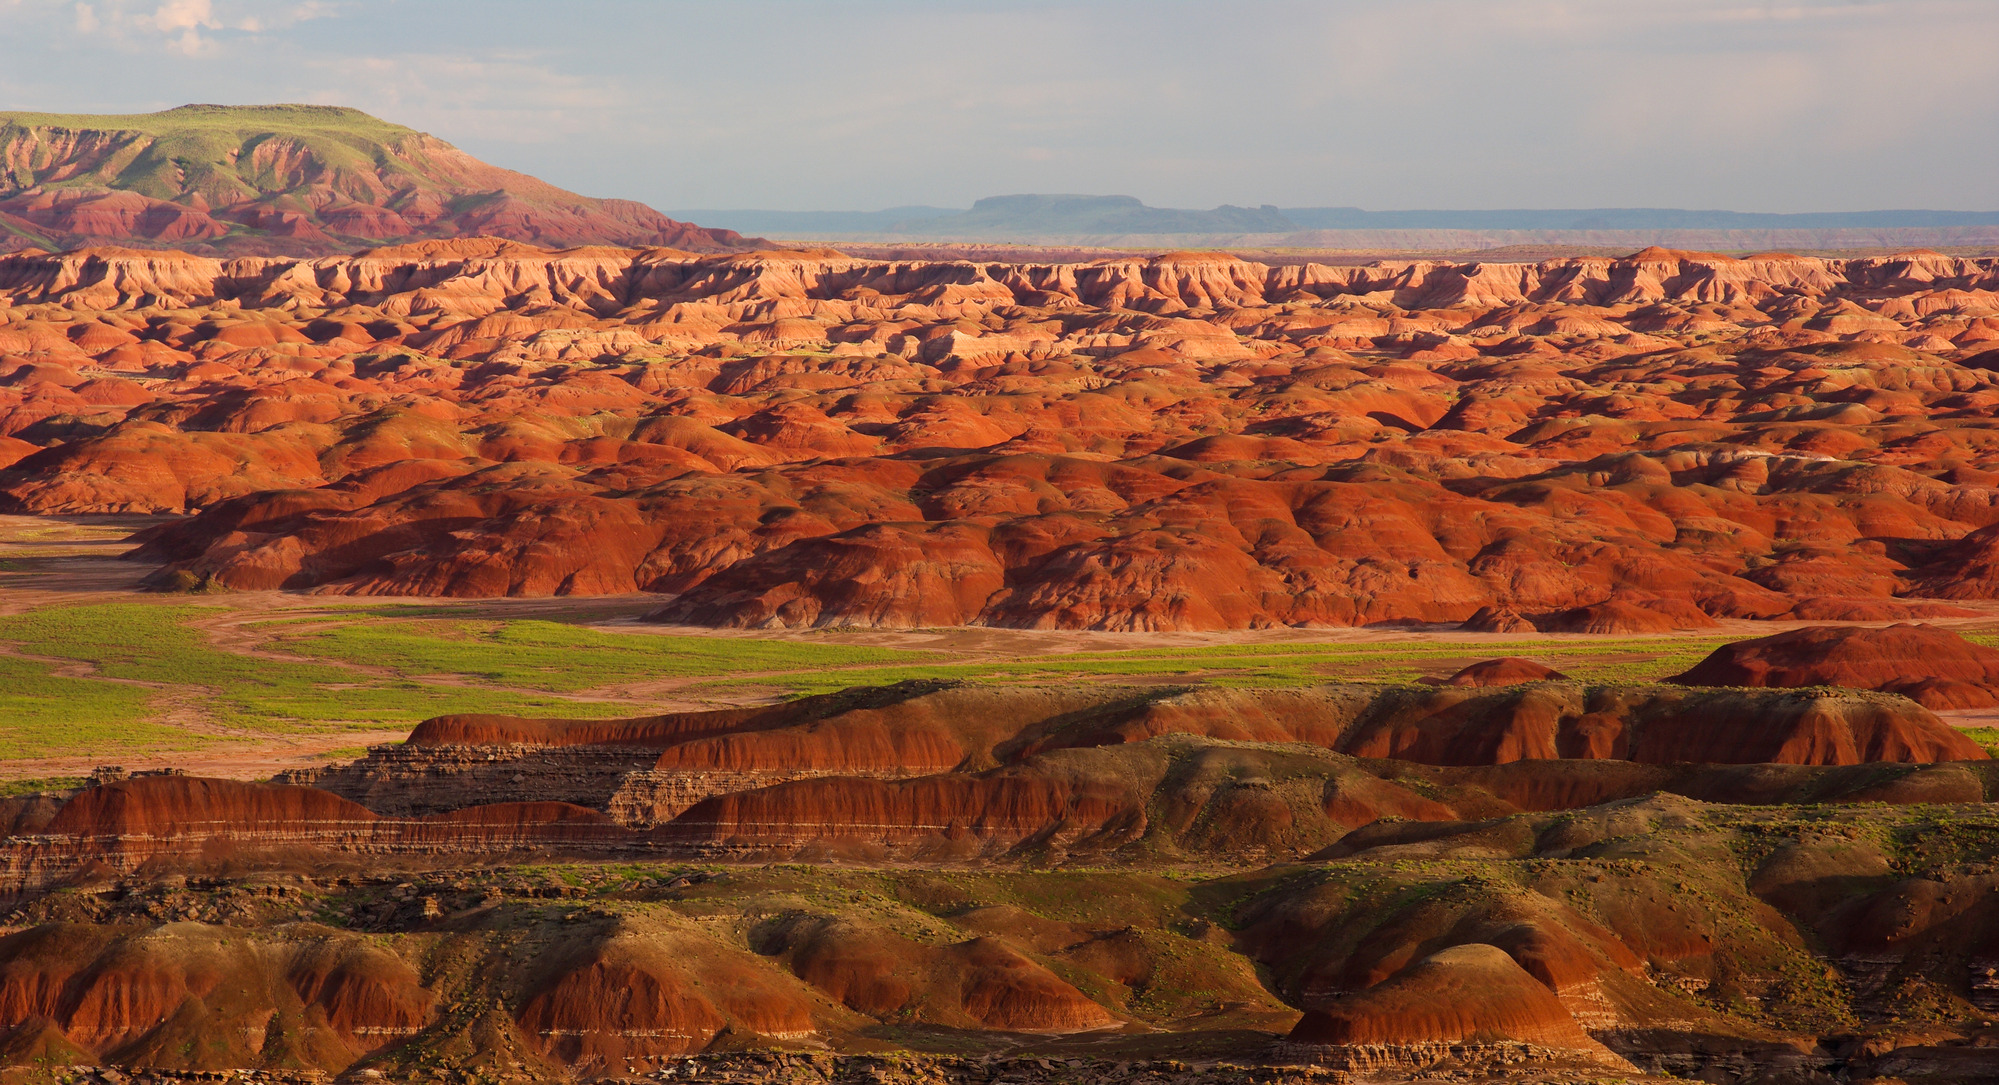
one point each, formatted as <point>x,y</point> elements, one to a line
<point>1526,876</point>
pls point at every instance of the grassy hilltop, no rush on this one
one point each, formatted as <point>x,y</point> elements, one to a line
<point>285,179</point>
<point>206,149</point>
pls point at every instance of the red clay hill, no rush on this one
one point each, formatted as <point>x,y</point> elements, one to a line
<point>294,179</point>
<point>1934,667</point>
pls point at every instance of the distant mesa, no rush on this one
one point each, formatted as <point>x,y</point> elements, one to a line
<point>1085,219</point>
<point>1018,217</point>
<point>290,180</point>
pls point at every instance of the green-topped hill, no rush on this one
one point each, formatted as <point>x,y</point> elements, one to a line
<point>294,179</point>
<point>285,116</point>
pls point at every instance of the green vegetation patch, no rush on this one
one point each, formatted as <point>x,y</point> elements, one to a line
<point>31,785</point>
<point>1296,664</point>
<point>1987,737</point>
<point>417,641</point>
<point>566,658</point>
<point>394,665</point>
<point>254,120</point>
<point>139,653</point>
<point>43,714</point>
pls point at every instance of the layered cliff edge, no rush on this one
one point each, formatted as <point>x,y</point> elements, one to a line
<point>961,772</point>
<point>1479,911</point>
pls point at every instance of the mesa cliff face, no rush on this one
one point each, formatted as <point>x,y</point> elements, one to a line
<point>1182,442</point>
<point>292,179</point>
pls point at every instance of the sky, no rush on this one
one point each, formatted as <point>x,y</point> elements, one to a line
<point>1749,105</point>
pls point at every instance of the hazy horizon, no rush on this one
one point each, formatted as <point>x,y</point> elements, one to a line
<point>1795,107</point>
<point>1343,207</point>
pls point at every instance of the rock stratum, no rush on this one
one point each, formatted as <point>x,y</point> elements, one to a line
<point>933,771</point>
<point>1541,880</point>
<point>1178,442</point>
<point>293,179</point>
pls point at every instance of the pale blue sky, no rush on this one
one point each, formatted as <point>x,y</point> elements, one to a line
<point>1799,105</point>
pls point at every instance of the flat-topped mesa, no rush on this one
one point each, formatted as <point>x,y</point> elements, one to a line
<point>292,179</point>
<point>646,771</point>
<point>649,732</point>
<point>899,762</point>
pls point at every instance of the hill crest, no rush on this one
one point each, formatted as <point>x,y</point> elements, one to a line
<point>292,179</point>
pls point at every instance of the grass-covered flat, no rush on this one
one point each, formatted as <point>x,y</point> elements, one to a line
<point>563,658</point>
<point>42,713</point>
<point>553,656</point>
<point>417,641</point>
<point>157,676</point>
<point>106,678</point>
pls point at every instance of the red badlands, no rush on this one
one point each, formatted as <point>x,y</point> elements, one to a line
<point>786,439</point>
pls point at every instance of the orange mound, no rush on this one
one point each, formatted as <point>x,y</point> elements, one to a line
<point>1507,671</point>
<point>1466,992</point>
<point>168,806</point>
<point>1934,667</point>
<point>979,983</point>
<point>196,997</point>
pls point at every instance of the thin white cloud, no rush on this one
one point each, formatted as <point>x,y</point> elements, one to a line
<point>507,98</point>
<point>184,15</point>
<point>189,27</point>
<point>183,22</point>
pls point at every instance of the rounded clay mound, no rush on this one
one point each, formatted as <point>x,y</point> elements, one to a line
<point>1506,671</point>
<point>1466,992</point>
<point>1934,667</point>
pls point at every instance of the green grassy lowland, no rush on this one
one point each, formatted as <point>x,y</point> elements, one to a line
<point>418,641</point>
<point>107,677</point>
<point>43,714</point>
<point>141,658</point>
<point>37,784</point>
<point>564,658</point>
